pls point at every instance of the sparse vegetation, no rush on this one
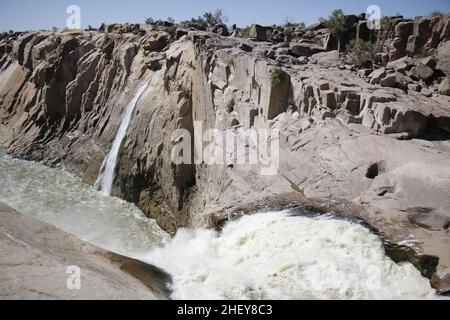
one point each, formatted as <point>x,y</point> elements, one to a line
<point>335,24</point>
<point>216,17</point>
<point>255,84</point>
<point>167,84</point>
<point>54,29</point>
<point>245,32</point>
<point>209,19</point>
<point>149,21</point>
<point>386,23</point>
<point>278,76</point>
<point>171,20</point>
<point>288,32</point>
<point>3,35</point>
<point>317,40</point>
<point>361,54</point>
<point>288,21</point>
<point>437,13</point>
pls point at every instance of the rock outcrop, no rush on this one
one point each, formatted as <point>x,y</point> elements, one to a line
<point>383,148</point>
<point>36,263</point>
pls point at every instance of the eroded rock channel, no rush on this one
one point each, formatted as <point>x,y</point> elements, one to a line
<point>369,144</point>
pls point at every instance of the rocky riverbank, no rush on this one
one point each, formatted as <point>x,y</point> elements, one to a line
<point>367,142</point>
<point>36,258</point>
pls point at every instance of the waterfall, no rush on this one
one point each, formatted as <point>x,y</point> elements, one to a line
<point>108,170</point>
<point>288,254</point>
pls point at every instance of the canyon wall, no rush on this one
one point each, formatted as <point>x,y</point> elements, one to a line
<point>348,141</point>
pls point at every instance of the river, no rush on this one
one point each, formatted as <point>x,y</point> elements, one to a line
<point>271,255</point>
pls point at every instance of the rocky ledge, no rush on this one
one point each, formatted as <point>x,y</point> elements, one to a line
<point>374,143</point>
<point>36,257</point>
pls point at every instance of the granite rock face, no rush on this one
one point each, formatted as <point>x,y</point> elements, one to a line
<point>343,138</point>
<point>37,258</point>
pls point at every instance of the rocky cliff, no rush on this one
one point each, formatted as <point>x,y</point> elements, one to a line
<point>363,142</point>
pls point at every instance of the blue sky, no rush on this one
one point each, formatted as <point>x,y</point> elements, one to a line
<point>43,14</point>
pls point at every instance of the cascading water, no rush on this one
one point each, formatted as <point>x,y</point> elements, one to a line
<point>274,255</point>
<point>108,170</point>
<point>286,255</point>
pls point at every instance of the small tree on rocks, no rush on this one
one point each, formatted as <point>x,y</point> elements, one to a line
<point>335,24</point>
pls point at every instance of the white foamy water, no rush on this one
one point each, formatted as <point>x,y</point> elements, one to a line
<point>63,200</point>
<point>108,170</point>
<point>279,256</point>
<point>266,256</point>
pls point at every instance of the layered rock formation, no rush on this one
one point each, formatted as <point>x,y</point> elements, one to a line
<point>36,258</point>
<point>377,151</point>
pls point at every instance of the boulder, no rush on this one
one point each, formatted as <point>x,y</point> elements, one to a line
<point>403,81</point>
<point>36,257</point>
<point>427,218</point>
<point>423,72</point>
<point>443,58</point>
<point>156,42</point>
<point>388,81</point>
<point>426,92</point>
<point>444,87</point>
<point>258,33</point>
<point>401,65</point>
<point>414,87</point>
<point>221,30</point>
<point>429,62</point>
<point>377,75</point>
<point>288,59</point>
<point>363,72</point>
<point>181,32</point>
<point>397,48</point>
<point>328,58</point>
<point>246,47</point>
<point>300,49</point>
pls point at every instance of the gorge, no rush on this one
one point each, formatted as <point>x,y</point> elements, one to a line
<point>322,257</point>
<point>363,183</point>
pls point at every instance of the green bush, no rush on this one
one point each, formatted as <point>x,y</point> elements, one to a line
<point>335,22</point>
<point>208,19</point>
<point>361,54</point>
<point>216,17</point>
<point>278,76</point>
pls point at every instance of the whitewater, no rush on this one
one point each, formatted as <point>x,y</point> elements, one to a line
<point>288,254</point>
